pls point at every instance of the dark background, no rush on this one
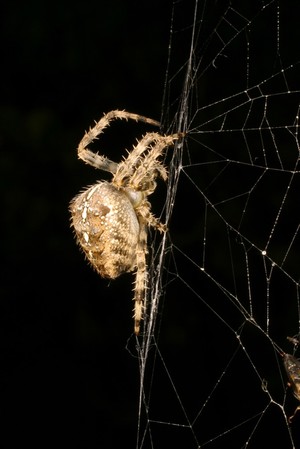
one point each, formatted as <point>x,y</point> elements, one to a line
<point>66,375</point>
<point>65,372</point>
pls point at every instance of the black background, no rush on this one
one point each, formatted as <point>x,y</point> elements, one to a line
<point>66,375</point>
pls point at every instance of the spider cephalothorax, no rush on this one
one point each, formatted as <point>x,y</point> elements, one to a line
<point>110,219</point>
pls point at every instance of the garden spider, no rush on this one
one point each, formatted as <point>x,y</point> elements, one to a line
<point>292,368</point>
<point>110,219</point>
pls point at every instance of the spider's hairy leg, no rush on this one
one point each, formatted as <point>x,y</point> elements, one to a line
<point>140,284</point>
<point>96,160</point>
<point>150,163</point>
<point>138,166</point>
<point>160,143</point>
<point>144,211</point>
<point>141,276</point>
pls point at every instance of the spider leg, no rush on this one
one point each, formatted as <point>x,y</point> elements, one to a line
<point>291,417</point>
<point>135,166</point>
<point>144,211</point>
<point>97,160</point>
<point>140,277</point>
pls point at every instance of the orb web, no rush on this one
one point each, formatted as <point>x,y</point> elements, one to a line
<point>224,281</point>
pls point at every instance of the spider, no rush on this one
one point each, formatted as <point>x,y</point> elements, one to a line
<point>110,219</point>
<point>292,368</point>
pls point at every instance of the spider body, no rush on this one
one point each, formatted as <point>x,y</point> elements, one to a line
<point>107,229</point>
<point>110,219</point>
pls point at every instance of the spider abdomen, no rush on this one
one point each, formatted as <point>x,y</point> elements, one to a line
<point>106,228</point>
